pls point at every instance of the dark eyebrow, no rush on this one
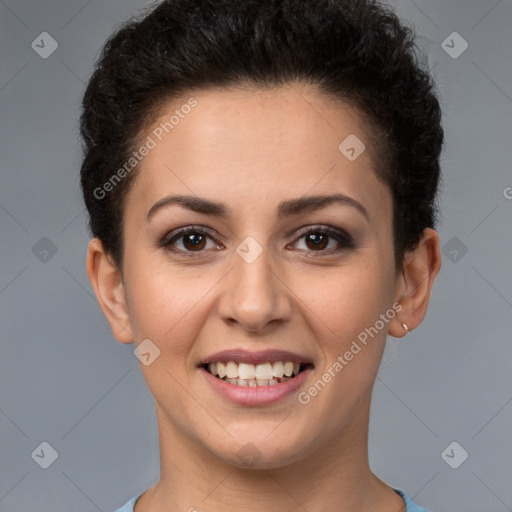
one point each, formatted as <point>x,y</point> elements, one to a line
<point>312,203</point>
<point>196,204</point>
<point>285,208</point>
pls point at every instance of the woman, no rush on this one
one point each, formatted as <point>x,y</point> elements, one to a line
<point>261,180</point>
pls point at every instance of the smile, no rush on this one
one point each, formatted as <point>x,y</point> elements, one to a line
<point>254,375</point>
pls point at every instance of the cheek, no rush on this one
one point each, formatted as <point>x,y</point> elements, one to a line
<point>342,310</point>
<point>162,303</point>
<point>346,300</point>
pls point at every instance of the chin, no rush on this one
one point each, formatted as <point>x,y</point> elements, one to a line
<point>259,452</point>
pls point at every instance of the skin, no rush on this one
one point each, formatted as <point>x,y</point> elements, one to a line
<point>252,149</point>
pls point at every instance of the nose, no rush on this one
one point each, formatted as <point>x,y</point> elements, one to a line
<point>255,297</point>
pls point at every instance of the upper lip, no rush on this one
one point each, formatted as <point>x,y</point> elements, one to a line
<point>245,356</point>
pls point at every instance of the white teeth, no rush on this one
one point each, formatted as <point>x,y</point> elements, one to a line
<point>246,374</point>
<point>231,370</point>
<point>246,371</point>
<point>264,371</point>
<point>278,368</point>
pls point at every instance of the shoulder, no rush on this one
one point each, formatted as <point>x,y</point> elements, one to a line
<point>410,505</point>
<point>128,507</point>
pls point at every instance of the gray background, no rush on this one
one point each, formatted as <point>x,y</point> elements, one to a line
<point>64,379</point>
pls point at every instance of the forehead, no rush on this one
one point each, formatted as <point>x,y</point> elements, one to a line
<point>257,147</point>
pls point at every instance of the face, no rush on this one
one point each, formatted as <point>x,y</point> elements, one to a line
<point>277,259</point>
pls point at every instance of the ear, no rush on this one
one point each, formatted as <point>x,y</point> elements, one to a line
<point>107,282</point>
<point>414,283</point>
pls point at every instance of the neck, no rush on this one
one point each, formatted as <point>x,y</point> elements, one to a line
<point>335,476</point>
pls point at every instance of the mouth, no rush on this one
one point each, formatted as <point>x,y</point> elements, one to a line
<point>249,369</point>
<point>247,374</point>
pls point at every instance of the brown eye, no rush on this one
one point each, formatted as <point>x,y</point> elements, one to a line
<point>317,241</point>
<point>188,241</point>
<point>194,241</point>
<point>324,241</point>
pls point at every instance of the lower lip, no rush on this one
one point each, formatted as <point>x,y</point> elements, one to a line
<point>259,395</point>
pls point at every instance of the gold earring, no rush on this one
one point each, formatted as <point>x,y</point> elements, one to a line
<point>406,329</point>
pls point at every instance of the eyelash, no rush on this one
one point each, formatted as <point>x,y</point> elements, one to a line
<point>343,238</point>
